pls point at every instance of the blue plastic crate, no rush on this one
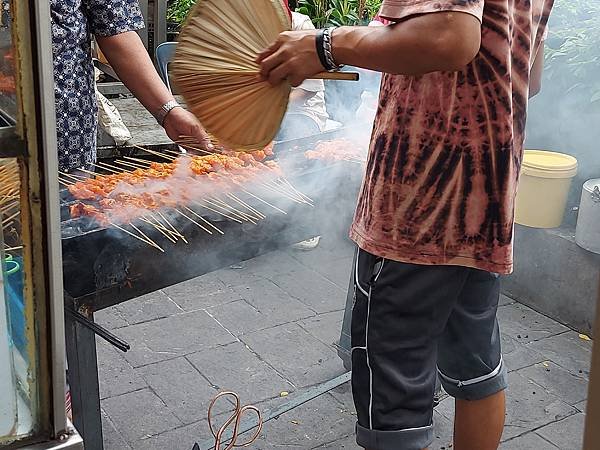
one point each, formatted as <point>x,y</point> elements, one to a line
<point>16,307</point>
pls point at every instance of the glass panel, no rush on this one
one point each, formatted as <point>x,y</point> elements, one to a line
<point>16,320</point>
<point>8,103</point>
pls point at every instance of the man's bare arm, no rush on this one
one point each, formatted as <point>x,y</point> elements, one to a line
<point>444,41</point>
<point>431,42</point>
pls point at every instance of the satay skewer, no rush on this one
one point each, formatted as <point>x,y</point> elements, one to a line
<point>171,225</point>
<point>172,231</point>
<point>246,205</point>
<point>134,235</point>
<point>130,164</point>
<point>139,160</point>
<point>264,201</point>
<point>162,230</point>
<point>204,220</point>
<point>145,236</point>
<point>12,249</point>
<point>202,227</point>
<point>216,211</point>
<point>8,219</point>
<point>286,181</point>
<point>159,154</point>
<point>227,207</point>
<point>244,215</point>
<point>75,178</point>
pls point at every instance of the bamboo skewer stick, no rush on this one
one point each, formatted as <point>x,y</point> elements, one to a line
<point>159,229</point>
<point>132,234</point>
<point>286,181</point>
<point>174,229</point>
<point>8,219</point>
<point>244,215</point>
<point>204,220</point>
<point>159,154</point>
<point>130,165</point>
<point>70,175</point>
<point>65,182</point>
<point>246,205</point>
<point>202,227</point>
<point>139,160</point>
<point>264,201</point>
<point>225,207</point>
<point>176,235</point>
<point>108,168</point>
<point>12,249</point>
<point>186,146</point>
<point>145,236</point>
<point>218,212</point>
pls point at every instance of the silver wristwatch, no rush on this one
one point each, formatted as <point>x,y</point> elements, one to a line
<point>165,109</point>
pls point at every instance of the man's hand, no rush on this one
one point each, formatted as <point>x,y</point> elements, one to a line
<point>293,57</point>
<point>180,123</point>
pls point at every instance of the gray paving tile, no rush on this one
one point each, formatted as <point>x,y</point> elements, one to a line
<point>566,434</point>
<point>186,393</point>
<point>505,300</point>
<point>529,441</point>
<point>240,317</point>
<point>113,440</point>
<point>315,423</point>
<point>526,325</point>
<point>443,430</point>
<point>182,438</point>
<point>527,410</point>
<point>235,368</point>
<point>446,408</point>
<point>139,414</point>
<point>316,292</point>
<point>201,292</point>
<point>325,327</point>
<point>518,355</point>
<point>237,275</point>
<point>347,442</point>
<point>581,406</point>
<point>115,374</point>
<point>326,252</point>
<point>173,336</point>
<point>110,318</point>
<point>148,307</point>
<point>567,350</point>
<point>271,264</point>
<point>301,358</point>
<point>337,271</point>
<point>558,381</point>
<point>273,303</point>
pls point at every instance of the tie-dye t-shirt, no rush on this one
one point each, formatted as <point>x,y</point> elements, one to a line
<point>446,149</point>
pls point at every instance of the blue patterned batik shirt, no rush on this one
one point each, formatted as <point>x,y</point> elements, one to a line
<point>73,22</point>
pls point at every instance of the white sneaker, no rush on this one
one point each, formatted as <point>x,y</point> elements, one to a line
<point>308,244</point>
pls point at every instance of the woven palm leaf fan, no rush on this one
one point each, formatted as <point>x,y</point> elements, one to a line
<point>215,71</point>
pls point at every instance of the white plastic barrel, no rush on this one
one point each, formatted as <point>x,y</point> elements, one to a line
<point>587,234</point>
<point>543,188</point>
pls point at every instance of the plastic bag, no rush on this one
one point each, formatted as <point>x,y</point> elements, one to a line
<point>110,120</point>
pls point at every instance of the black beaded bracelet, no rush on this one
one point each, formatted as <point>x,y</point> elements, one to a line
<point>320,44</point>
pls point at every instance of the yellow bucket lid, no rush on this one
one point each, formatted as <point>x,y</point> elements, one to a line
<point>544,164</point>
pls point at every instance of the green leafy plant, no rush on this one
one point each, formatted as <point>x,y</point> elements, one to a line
<point>573,47</point>
<point>339,12</point>
<point>178,10</point>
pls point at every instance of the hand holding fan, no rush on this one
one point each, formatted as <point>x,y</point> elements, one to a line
<point>215,70</point>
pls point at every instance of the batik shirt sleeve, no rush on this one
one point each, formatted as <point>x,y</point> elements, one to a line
<point>111,17</point>
<point>396,10</point>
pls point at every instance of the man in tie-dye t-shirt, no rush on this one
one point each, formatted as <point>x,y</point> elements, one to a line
<point>434,221</point>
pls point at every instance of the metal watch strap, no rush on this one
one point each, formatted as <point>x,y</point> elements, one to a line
<point>165,109</point>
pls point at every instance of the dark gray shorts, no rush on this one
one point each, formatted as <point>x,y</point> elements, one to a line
<point>407,321</point>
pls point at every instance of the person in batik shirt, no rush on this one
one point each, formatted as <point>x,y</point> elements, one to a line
<point>434,221</point>
<point>114,24</point>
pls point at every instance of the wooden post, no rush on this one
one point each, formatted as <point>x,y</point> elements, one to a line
<point>592,430</point>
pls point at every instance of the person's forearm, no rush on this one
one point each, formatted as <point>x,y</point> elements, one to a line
<point>428,43</point>
<point>129,58</point>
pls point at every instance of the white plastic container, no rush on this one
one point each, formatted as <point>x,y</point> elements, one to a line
<point>587,234</point>
<point>544,188</point>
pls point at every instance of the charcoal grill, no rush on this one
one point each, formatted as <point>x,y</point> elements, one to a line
<point>104,267</point>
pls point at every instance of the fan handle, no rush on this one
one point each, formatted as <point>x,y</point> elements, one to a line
<point>346,76</point>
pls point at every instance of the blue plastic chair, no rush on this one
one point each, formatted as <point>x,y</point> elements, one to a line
<point>164,55</point>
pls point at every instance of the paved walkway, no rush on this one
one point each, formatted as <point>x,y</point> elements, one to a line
<point>269,326</point>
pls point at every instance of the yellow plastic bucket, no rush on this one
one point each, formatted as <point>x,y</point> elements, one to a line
<point>543,188</point>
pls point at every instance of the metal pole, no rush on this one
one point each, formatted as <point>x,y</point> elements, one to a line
<point>160,25</point>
